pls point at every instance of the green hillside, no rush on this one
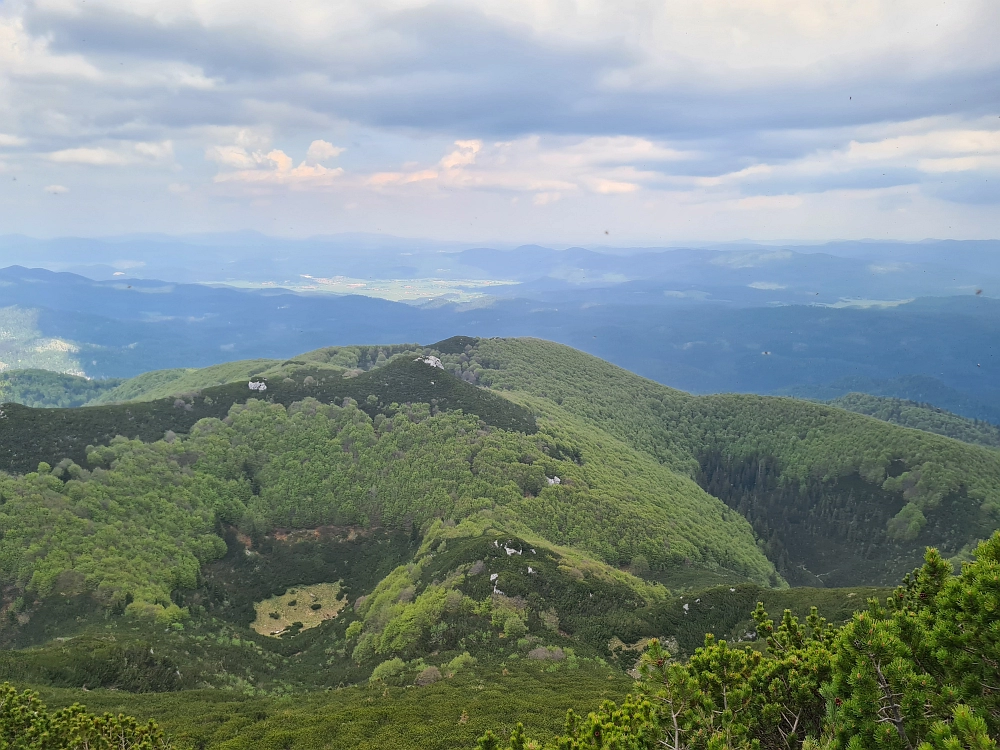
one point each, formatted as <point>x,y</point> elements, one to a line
<point>29,436</point>
<point>44,388</point>
<point>162,383</point>
<point>431,507</point>
<point>357,543</point>
<point>838,498</point>
<point>309,465</point>
<point>921,417</point>
<point>334,360</point>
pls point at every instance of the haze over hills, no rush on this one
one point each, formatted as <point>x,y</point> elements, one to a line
<point>698,338</point>
<point>736,273</point>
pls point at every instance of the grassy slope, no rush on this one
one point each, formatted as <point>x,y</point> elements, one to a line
<point>162,383</point>
<point>929,489</point>
<point>921,416</point>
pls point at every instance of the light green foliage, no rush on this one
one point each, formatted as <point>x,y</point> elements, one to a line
<point>812,441</point>
<point>388,670</point>
<point>921,417</point>
<point>26,724</point>
<point>141,529</point>
<point>42,388</point>
<point>462,661</point>
<point>142,522</point>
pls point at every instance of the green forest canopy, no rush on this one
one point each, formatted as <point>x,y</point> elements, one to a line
<point>43,388</point>
<point>810,440</point>
<point>920,416</point>
<point>141,519</point>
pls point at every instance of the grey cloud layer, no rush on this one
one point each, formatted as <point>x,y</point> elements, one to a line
<point>738,97</point>
<point>442,68</point>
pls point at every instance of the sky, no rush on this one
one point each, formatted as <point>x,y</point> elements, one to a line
<point>554,121</point>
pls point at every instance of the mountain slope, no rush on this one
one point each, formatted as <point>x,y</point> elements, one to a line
<point>370,516</point>
<point>44,388</point>
<point>162,383</point>
<point>919,416</point>
<point>839,498</point>
<point>28,436</point>
<point>410,444</point>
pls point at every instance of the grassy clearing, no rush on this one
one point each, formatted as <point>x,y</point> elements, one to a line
<point>307,605</point>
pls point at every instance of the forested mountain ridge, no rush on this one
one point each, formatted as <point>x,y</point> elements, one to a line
<point>28,436</point>
<point>41,388</point>
<point>838,497</point>
<point>414,443</point>
<point>921,416</point>
<point>162,383</point>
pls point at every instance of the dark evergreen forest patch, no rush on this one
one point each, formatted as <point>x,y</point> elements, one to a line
<point>834,532</point>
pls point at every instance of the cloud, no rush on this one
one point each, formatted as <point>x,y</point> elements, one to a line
<point>545,167</point>
<point>719,110</point>
<point>764,202</point>
<point>11,140</point>
<point>463,155</point>
<point>56,189</point>
<point>125,154</point>
<point>903,153</point>
<point>275,167</point>
<point>321,151</point>
<point>543,199</point>
<point>610,187</point>
<point>94,156</point>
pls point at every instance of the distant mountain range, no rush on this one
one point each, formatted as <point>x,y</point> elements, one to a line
<point>68,323</point>
<point>734,274</point>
